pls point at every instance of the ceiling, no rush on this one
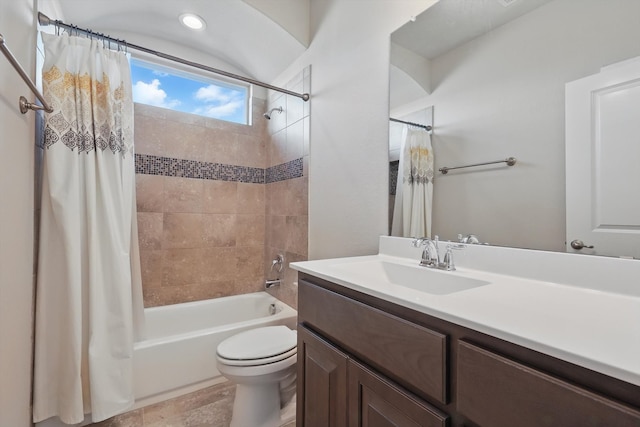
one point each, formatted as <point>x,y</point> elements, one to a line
<point>450,23</point>
<point>257,40</point>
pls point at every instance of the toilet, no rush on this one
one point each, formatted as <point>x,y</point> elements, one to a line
<point>262,364</point>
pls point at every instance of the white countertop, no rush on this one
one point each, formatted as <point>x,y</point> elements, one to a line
<point>596,327</point>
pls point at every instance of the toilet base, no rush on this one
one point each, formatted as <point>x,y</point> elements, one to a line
<point>257,405</point>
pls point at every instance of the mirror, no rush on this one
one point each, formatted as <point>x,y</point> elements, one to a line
<point>494,72</point>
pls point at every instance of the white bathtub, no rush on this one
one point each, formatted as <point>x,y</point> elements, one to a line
<point>179,354</point>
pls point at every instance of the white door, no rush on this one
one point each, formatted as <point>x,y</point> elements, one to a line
<point>603,161</point>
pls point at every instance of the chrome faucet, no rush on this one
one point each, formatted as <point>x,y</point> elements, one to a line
<point>431,257</point>
<point>469,238</point>
<point>277,264</point>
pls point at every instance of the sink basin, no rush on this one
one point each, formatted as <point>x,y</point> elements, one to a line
<point>422,279</point>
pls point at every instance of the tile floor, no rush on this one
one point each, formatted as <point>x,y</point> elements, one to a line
<point>210,407</point>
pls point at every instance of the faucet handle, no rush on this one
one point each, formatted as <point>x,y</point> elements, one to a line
<point>419,241</point>
<point>447,261</point>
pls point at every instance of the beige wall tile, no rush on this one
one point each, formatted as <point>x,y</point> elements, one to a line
<point>182,230</point>
<point>149,111</point>
<point>151,268</point>
<point>296,199</point>
<point>150,230</point>
<point>250,273</point>
<point>252,151</point>
<point>220,196</point>
<point>278,198</point>
<point>184,293</point>
<point>219,265</point>
<point>181,266</point>
<point>251,198</point>
<point>296,234</point>
<point>183,194</point>
<point>276,229</point>
<point>180,140</point>
<point>220,147</point>
<point>145,136</point>
<point>219,230</point>
<point>250,230</point>
<point>184,118</point>
<point>149,193</point>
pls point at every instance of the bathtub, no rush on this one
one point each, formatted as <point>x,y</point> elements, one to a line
<point>179,353</point>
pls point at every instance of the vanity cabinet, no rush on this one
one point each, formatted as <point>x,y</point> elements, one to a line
<point>363,361</point>
<point>336,390</point>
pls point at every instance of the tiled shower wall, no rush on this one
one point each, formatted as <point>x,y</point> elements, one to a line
<point>217,201</point>
<point>287,198</point>
<point>201,204</point>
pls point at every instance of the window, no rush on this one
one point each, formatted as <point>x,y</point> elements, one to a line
<point>180,91</point>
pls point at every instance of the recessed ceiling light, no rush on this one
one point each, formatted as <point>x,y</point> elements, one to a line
<point>192,21</point>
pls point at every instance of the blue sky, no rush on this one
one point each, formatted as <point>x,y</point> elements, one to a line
<point>189,95</point>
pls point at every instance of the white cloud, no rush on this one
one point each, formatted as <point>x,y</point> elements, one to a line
<point>224,110</point>
<point>219,102</point>
<point>151,94</point>
<point>212,93</point>
<point>160,73</point>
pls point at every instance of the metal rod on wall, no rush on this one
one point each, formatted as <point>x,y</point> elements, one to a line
<point>510,161</point>
<point>23,103</point>
<point>426,127</point>
<point>44,20</point>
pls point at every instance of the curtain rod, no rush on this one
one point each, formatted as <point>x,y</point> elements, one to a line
<point>426,127</point>
<point>44,20</point>
<point>24,104</point>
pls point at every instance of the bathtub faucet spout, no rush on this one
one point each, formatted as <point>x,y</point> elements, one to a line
<point>271,283</point>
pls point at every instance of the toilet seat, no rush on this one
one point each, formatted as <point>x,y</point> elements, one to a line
<point>258,346</point>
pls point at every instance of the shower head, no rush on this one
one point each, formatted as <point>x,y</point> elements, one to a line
<point>268,115</point>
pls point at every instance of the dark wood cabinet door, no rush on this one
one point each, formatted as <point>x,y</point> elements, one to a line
<point>322,382</point>
<point>410,354</point>
<point>376,402</point>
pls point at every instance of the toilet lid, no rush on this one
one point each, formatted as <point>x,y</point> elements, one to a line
<point>259,343</point>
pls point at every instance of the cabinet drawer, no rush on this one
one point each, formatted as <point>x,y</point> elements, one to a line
<point>374,401</point>
<point>410,354</point>
<point>498,392</point>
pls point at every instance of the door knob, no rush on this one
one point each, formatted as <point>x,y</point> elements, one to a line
<point>579,244</point>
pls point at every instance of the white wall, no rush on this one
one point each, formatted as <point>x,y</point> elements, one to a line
<point>348,179</point>
<point>502,95</point>
<point>17,25</point>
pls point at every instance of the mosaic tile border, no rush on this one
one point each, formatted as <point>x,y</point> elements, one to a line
<point>393,177</point>
<point>167,166</point>
<point>284,171</point>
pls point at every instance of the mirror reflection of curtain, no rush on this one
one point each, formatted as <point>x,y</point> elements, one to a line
<point>414,193</point>
<point>89,294</point>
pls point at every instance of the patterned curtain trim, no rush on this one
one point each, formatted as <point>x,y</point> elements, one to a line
<point>95,103</point>
<point>421,166</point>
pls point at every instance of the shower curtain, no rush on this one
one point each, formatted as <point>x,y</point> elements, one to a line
<point>414,191</point>
<point>89,294</point>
